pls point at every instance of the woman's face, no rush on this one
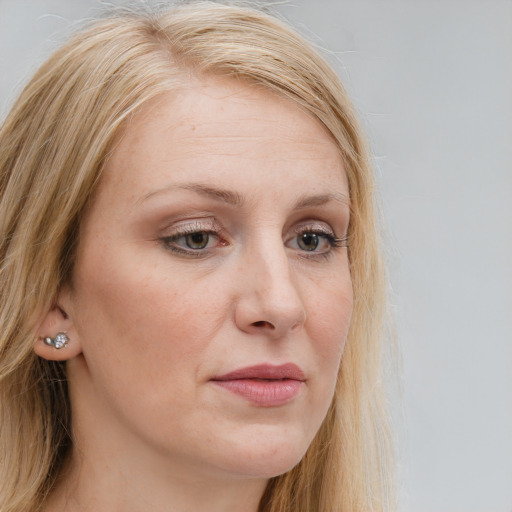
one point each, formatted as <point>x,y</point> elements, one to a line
<point>211,295</point>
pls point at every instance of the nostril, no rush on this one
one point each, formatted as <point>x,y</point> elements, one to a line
<point>263,323</point>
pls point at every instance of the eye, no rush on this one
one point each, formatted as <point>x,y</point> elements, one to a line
<point>198,240</point>
<point>195,243</point>
<point>315,240</point>
<point>308,241</point>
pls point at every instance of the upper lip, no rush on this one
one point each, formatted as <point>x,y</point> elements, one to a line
<point>265,372</point>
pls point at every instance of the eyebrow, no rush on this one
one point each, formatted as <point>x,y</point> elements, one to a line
<point>218,194</point>
<point>319,200</point>
<point>235,199</point>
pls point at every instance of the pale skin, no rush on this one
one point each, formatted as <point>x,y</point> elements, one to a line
<point>215,241</point>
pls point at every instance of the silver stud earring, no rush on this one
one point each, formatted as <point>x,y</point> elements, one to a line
<point>60,340</point>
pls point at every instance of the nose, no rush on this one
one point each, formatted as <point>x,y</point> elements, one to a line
<point>269,301</point>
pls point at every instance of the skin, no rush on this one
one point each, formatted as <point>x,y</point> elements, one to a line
<point>151,321</point>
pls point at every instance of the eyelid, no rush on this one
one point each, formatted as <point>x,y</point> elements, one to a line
<point>313,226</point>
<point>171,236</point>
<point>186,227</point>
<point>322,229</point>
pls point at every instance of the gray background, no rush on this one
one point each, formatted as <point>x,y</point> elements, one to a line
<point>432,81</point>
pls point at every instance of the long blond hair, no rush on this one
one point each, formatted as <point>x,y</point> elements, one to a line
<point>53,146</point>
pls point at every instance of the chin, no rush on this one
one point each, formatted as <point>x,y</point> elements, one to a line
<point>266,456</point>
<point>263,467</point>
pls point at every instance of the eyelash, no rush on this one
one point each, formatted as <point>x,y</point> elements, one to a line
<point>333,241</point>
<point>169,242</point>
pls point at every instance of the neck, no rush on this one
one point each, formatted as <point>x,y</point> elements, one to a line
<point>116,481</point>
<point>90,486</point>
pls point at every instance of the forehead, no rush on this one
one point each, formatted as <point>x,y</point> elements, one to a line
<point>223,129</point>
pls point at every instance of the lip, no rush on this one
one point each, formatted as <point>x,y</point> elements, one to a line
<point>264,385</point>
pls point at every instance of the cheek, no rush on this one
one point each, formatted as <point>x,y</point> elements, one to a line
<point>145,338</point>
<point>329,325</point>
<point>331,312</point>
<point>144,313</point>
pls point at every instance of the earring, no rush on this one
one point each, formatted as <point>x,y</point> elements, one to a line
<point>60,340</point>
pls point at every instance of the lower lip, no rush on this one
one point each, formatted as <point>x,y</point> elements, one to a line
<point>265,393</point>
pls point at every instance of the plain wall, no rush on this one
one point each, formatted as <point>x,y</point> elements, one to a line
<point>432,81</point>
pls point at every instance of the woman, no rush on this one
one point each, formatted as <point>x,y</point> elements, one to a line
<point>188,252</point>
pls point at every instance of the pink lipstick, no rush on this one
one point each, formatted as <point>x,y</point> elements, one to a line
<point>264,385</point>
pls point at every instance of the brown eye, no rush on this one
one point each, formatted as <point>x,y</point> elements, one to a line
<point>315,242</point>
<point>198,240</point>
<point>308,241</point>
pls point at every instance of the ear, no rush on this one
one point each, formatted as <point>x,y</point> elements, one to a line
<point>55,321</point>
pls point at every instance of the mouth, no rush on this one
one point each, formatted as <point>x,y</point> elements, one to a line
<point>264,385</point>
